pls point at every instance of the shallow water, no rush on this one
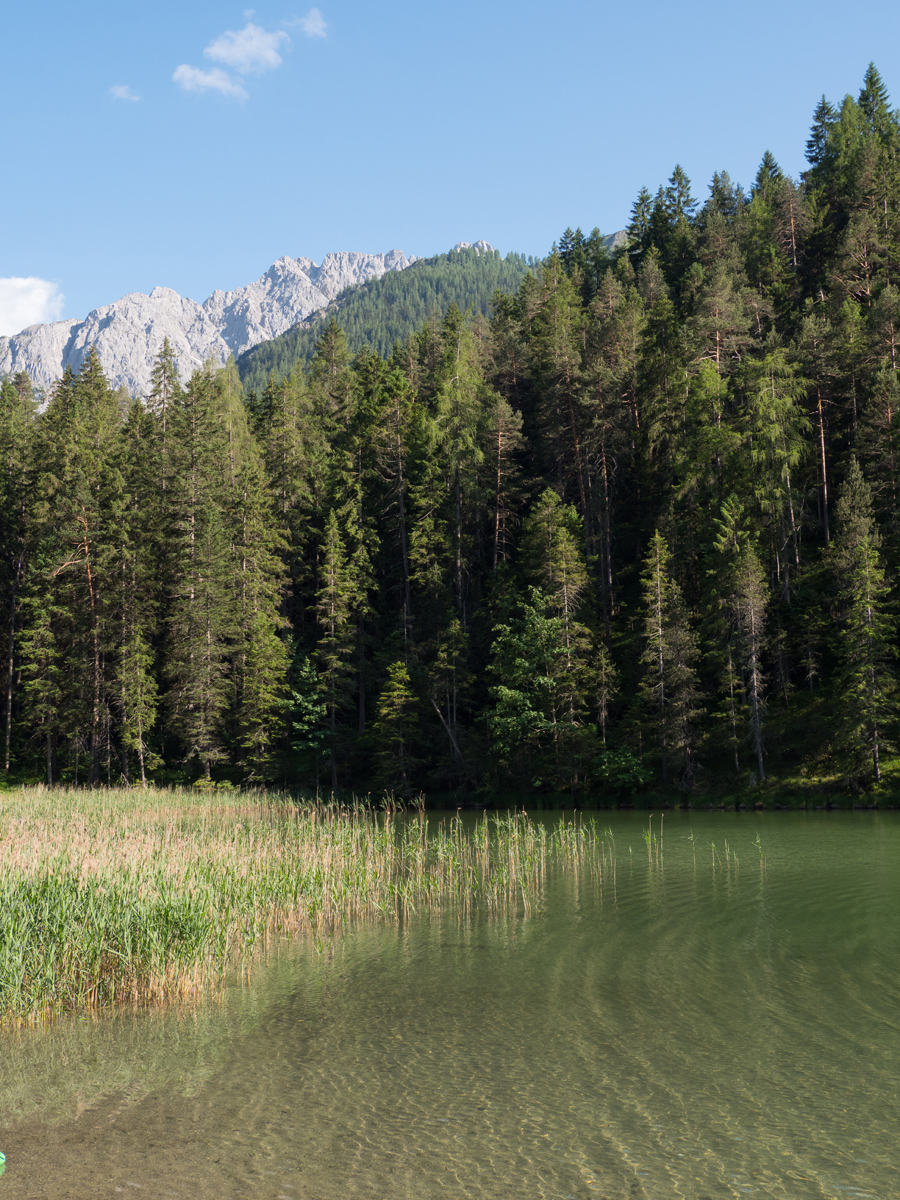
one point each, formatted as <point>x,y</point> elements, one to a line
<point>693,1026</point>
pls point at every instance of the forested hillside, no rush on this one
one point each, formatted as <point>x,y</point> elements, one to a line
<point>638,529</point>
<point>382,312</point>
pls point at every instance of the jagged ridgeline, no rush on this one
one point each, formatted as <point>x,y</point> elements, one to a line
<point>382,312</point>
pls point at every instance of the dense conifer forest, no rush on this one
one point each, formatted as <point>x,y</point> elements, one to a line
<point>636,529</point>
<point>381,312</point>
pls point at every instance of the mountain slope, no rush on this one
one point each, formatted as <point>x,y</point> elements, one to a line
<point>388,309</point>
<point>128,334</point>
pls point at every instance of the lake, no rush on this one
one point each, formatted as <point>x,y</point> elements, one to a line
<point>717,1015</point>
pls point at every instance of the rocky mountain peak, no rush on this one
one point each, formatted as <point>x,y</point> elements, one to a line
<point>481,246</point>
<point>129,332</point>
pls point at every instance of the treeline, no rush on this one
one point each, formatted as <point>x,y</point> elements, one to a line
<point>382,312</point>
<point>636,529</point>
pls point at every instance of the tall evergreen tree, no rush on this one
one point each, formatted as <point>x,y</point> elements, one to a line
<point>260,656</point>
<point>534,736</point>
<point>17,470</point>
<point>867,683</point>
<point>669,685</point>
<point>200,613</point>
<point>72,583</point>
<point>334,609</point>
<point>775,424</point>
<point>396,732</point>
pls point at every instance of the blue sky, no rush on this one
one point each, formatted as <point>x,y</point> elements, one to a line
<point>192,144</point>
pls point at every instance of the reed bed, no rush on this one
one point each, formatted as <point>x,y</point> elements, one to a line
<point>145,895</point>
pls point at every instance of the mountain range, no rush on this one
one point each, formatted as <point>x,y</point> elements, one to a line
<point>129,332</point>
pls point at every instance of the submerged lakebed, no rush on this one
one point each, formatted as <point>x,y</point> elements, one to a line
<point>713,1014</point>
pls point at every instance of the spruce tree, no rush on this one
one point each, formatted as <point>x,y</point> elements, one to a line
<point>749,609</point>
<point>533,738</point>
<point>867,683</point>
<point>877,445</point>
<point>458,413</point>
<point>775,425</point>
<point>72,585</point>
<point>164,395</point>
<point>334,609</point>
<point>396,732</point>
<point>199,607</point>
<point>556,355</point>
<point>17,471</point>
<point>260,654</point>
<point>295,450</point>
<point>669,685</point>
<point>140,563</point>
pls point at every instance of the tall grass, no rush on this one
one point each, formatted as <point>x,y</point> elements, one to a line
<point>143,895</point>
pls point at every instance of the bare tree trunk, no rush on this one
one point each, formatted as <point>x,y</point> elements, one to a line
<point>823,464</point>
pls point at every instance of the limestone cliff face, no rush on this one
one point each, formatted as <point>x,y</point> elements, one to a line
<point>129,333</point>
<point>481,246</point>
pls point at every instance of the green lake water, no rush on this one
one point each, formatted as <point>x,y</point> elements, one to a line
<point>700,1025</point>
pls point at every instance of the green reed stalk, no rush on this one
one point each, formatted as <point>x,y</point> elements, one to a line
<point>149,895</point>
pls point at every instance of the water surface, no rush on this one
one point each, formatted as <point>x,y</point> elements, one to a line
<point>696,1023</point>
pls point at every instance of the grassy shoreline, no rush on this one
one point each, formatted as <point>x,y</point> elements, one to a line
<point>145,895</point>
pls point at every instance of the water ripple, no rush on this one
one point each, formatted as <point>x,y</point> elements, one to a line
<point>697,1025</point>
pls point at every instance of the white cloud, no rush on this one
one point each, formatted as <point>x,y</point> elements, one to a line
<point>192,79</point>
<point>121,91</point>
<point>248,50</point>
<point>313,24</point>
<point>28,301</point>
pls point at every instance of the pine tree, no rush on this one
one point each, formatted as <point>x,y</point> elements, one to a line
<point>877,445</point>
<point>669,685</point>
<point>867,684</point>
<point>815,343</point>
<point>503,443</point>
<point>750,602</point>
<point>663,385</point>
<point>396,732</point>
<point>199,606</point>
<point>334,609</point>
<point>607,687</point>
<point>459,411</point>
<point>139,558</point>
<point>294,446</point>
<point>556,353</point>
<point>533,737</point>
<point>724,312</point>
<point>610,401</point>
<point>260,655</point>
<point>448,679</point>
<point>331,381</point>
<point>72,581</point>
<point>552,558</point>
<point>775,425</point>
<point>307,717</point>
<point>737,604</point>
<point>17,471</point>
<point>553,563</point>
<point>639,232</point>
<point>164,395</point>
<point>817,143</point>
<point>391,438</point>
